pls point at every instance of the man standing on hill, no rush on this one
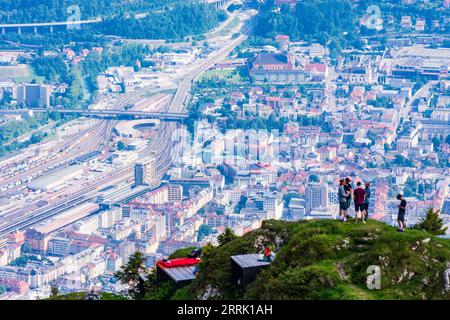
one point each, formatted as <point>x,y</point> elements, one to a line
<point>401,213</point>
<point>349,190</point>
<point>367,201</point>
<point>342,195</point>
<point>359,196</point>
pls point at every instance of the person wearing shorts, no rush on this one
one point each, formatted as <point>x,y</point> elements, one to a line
<point>359,196</point>
<point>367,201</point>
<point>342,195</point>
<point>349,190</point>
<point>401,213</point>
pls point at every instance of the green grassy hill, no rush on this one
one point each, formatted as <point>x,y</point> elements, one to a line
<point>319,260</point>
<point>329,260</point>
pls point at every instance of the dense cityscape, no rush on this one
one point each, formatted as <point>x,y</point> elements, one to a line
<point>128,142</point>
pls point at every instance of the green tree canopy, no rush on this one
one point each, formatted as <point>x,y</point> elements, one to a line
<point>203,231</point>
<point>432,223</point>
<point>132,274</point>
<point>226,237</point>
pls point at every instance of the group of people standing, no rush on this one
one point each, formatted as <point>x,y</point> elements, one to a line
<point>360,197</point>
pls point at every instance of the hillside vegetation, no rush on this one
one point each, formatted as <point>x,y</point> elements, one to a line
<point>315,18</point>
<point>324,260</point>
<point>18,11</point>
<point>329,260</point>
<point>176,23</point>
<point>149,19</point>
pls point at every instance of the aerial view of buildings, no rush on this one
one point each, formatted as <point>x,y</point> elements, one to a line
<point>145,144</point>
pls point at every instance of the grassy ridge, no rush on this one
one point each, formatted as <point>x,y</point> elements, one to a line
<point>319,260</point>
<point>329,260</point>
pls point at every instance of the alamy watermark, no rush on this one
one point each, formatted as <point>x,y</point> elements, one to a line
<point>447,277</point>
<point>75,16</point>
<point>373,18</point>
<point>238,146</point>
<point>373,280</point>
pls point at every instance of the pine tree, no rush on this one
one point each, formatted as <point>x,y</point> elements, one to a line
<point>133,274</point>
<point>432,223</point>
<point>54,291</point>
<point>226,237</point>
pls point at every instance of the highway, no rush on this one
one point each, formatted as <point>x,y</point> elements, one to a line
<point>178,103</point>
<point>405,112</point>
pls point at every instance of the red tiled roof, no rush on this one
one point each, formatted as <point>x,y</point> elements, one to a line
<point>317,67</point>
<point>281,37</point>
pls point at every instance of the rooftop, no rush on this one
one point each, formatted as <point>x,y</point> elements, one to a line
<point>249,261</point>
<point>58,177</point>
<point>270,58</point>
<point>181,273</point>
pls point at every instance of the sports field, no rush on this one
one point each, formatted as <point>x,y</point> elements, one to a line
<point>20,73</point>
<point>229,75</point>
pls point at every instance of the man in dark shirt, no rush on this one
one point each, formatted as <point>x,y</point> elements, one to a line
<point>342,195</point>
<point>349,190</point>
<point>401,213</point>
<point>367,201</point>
<point>359,196</point>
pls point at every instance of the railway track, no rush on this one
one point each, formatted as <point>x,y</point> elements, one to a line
<point>99,137</point>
